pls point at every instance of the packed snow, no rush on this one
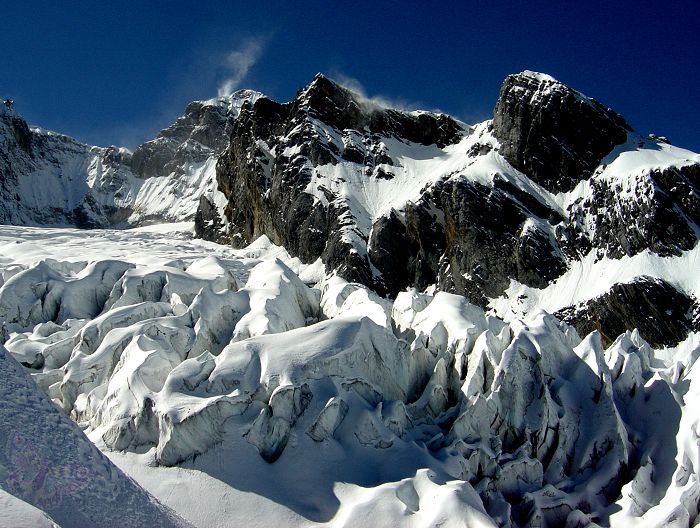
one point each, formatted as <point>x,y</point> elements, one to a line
<point>51,474</point>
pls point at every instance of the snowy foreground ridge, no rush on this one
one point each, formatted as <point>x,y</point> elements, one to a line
<point>240,396</point>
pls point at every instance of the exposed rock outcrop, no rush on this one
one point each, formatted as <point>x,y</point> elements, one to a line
<point>269,164</point>
<point>553,133</point>
<point>202,131</point>
<point>661,313</point>
<point>656,209</point>
<point>393,199</point>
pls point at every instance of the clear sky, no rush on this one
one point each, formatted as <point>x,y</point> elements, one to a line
<point>116,72</point>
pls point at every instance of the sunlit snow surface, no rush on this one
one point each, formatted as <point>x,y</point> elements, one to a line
<point>243,388</point>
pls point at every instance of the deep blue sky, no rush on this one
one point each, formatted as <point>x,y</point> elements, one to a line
<point>116,72</point>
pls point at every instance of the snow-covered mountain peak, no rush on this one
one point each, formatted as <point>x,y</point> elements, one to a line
<point>538,76</point>
<point>321,85</point>
<point>330,103</point>
<point>230,103</point>
<point>202,131</point>
<point>226,100</point>
<point>342,108</point>
<point>534,86</point>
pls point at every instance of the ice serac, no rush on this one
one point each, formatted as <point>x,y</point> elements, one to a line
<point>429,409</point>
<point>552,133</point>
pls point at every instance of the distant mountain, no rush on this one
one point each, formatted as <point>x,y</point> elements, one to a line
<point>555,185</point>
<point>51,179</point>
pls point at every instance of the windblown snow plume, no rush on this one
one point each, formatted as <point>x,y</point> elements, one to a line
<point>237,64</point>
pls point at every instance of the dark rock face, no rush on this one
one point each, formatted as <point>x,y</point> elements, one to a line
<point>466,235</point>
<point>662,314</point>
<point>21,133</point>
<point>268,165</point>
<point>208,222</point>
<point>17,136</point>
<point>555,135</point>
<point>244,180</point>
<point>395,252</point>
<point>658,216</point>
<point>491,237</point>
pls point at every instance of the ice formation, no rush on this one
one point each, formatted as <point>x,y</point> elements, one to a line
<point>489,423</point>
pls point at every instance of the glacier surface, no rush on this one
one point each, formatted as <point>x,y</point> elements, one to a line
<point>244,387</point>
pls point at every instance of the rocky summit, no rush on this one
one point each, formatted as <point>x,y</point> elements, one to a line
<point>393,199</point>
<point>493,324</point>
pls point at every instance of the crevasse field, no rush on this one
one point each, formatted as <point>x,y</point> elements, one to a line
<point>242,388</point>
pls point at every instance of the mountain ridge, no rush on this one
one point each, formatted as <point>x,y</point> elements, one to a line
<point>388,198</point>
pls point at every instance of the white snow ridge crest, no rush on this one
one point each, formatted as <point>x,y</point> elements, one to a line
<point>151,378</point>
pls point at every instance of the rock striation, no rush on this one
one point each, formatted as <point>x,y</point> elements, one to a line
<point>552,133</point>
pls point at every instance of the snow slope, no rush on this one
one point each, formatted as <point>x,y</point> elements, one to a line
<point>19,514</point>
<point>593,276</point>
<point>46,461</point>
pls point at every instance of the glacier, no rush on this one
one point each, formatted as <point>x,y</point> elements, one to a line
<point>224,364</point>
